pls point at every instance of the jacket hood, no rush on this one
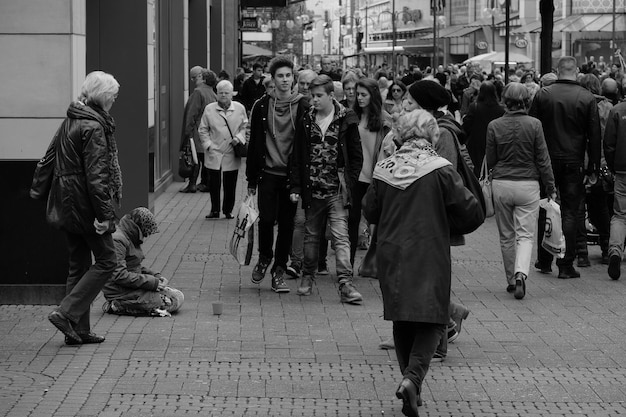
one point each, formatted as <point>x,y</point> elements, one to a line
<point>130,229</point>
<point>79,110</point>
<point>446,120</point>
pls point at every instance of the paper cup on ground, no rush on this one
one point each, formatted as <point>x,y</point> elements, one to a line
<point>218,308</point>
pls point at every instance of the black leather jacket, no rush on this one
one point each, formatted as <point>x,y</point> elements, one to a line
<point>571,124</point>
<point>80,189</point>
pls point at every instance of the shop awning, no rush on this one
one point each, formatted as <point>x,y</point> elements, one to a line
<point>457,31</point>
<point>499,20</point>
<point>580,23</point>
<point>248,49</point>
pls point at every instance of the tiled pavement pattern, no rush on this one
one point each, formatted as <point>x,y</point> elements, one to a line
<point>559,352</point>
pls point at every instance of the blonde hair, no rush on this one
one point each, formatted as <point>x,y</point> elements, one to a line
<point>417,124</point>
<point>98,87</point>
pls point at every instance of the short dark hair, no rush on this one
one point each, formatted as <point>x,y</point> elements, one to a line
<point>209,77</point>
<point>256,65</point>
<point>279,62</point>
<point>322,81</point>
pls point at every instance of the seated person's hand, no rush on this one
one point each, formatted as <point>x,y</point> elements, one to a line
<point>162,283</point>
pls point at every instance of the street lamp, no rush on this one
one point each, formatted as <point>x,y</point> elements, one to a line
<point>492,11</point>
<point>394,30</point>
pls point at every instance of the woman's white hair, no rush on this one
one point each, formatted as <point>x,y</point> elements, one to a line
<point>417,124</point>
<point>98,88</point>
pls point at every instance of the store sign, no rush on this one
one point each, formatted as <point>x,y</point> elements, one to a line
<point>249,23</point>
<point>556,44</point>
<point>521,43</point>
<point>482,45</point>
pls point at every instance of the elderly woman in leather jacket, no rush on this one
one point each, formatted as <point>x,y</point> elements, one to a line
<point>87,184</point>
<point>135,289</point>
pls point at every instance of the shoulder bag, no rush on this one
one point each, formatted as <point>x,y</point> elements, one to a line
<point>185,160</point>
<point>485,185</point>
<point>241,149</point>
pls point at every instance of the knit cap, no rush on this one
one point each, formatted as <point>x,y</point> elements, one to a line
<point>146,221</point>
<point>429,94</point>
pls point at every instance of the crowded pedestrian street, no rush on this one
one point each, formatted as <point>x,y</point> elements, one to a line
<point>558,352</point>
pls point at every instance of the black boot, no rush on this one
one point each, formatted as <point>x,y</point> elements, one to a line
<point>191,187</point>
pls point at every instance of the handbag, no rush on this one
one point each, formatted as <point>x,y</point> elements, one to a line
<point>368,267</point>
<point>485,185</point>
<point>469,179</point>
<point>241,149</point>
<point>186,163</point>
<point>244,225</point>
<point>44,172</point>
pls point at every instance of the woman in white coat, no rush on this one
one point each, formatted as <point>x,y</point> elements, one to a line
<point>223,125</point>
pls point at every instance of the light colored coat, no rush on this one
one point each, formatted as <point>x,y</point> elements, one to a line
<point>216,138</point>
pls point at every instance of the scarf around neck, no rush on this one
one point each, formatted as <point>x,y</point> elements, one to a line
<point>412,161</point>
<point>115,171</point>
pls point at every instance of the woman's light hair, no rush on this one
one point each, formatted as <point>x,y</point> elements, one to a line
<point>417,124</point>
<point>98,87</point>
<point>515,96</point>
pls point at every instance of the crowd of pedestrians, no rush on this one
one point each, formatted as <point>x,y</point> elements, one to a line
<point>330,151</point>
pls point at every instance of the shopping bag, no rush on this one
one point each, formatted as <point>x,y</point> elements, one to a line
<point>553,238</point>
<point>485,185</point>
<point>186,164</point>
<point>244,228</point>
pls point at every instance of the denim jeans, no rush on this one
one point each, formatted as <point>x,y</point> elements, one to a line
<point>275,207</point>
<point>517,206</point>
<point>215,185</point>
<point>85,280</point>
<point>415,346</point>
<point>330,209</point>
<point>568,177</point>
<point>618,221</point>
<point>297,242</point>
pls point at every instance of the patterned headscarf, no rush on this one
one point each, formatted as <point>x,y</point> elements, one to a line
<point>146,221</point>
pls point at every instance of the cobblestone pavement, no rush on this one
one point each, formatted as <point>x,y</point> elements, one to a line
<point>558,352</point>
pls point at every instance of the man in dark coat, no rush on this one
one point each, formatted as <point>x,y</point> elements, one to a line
<point>252,89</point>
<point>418,201</point>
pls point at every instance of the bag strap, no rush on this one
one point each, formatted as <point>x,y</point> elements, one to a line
<point>228,126</point>
<point>484,170</point>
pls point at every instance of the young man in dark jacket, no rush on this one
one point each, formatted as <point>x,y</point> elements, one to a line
<point>571,126</point>
<point>327,160</point>
<point>273,124</point>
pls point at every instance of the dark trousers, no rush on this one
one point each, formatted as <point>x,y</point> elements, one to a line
<point>85,280</point>
<point>569,182</point>
<point>598,214</point>
<point>215,185</point>
<point>415,346</point>
<point>358,192</point>
<point>275,207</point>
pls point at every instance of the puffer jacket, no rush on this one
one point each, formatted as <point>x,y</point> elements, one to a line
<point>80,191</point>
<point>132,284</point>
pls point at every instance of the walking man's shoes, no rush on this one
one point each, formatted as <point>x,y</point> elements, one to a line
<point>544,268</point>
<point>259,271</point>
<point>65,326</point>
<point>86,338</point>
<point>614,266</point>
<point>213,215</point>
<point>306,286</point>
<point>568,272</point>
<point>278,280</point>
<point>349,294</point>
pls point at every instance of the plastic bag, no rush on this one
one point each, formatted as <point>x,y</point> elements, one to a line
<point>553,238</point>
<point>244,222</point>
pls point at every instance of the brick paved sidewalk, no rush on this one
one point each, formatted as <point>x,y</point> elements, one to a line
<point>558,352</point>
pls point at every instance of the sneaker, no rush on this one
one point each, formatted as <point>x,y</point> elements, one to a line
<point>614,266</point>
<point>306,286</point>
<point>259,271</point>
<point>568,272</point>
<point>438,357</point>
<point>452,335</point>
<point>349,294</point>
<point>583,261</point>
<point>293,271</point>
<point>387,344</point>
<point>278,280</point>
<point>213,215</point>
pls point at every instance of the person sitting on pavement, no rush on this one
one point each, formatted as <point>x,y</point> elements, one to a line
<point>135,289</point>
